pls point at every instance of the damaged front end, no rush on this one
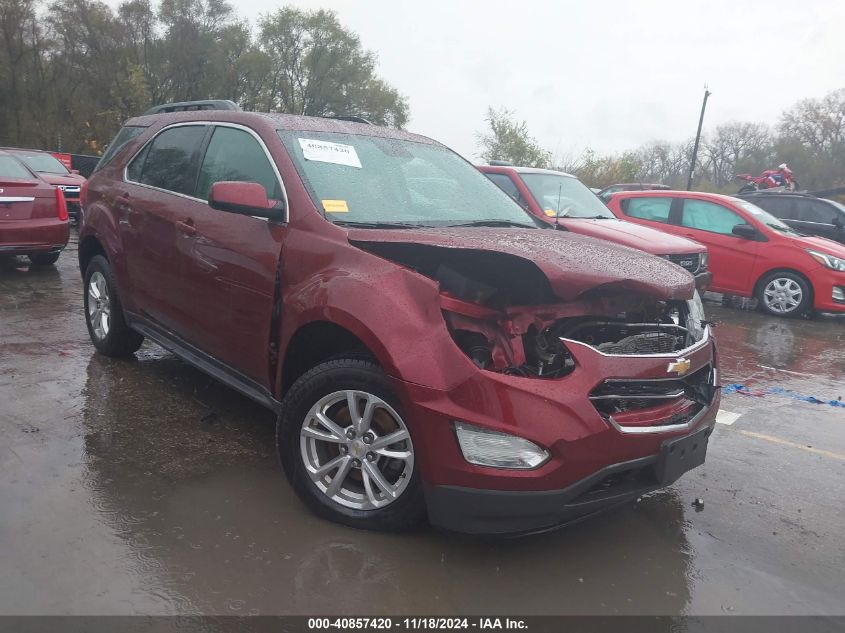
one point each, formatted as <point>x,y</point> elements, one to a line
<point>507,316</point>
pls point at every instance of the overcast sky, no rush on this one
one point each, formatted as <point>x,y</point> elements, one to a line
<point>608,75</point>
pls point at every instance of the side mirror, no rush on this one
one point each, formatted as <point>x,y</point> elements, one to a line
<point>745,231</point>
<point>837,222</point>
<point>75,172</point>
<point>244,198</point>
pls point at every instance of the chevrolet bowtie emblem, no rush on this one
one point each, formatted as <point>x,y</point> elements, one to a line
<point>680,366</point>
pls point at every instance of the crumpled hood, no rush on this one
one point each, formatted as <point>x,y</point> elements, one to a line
<point>572,263</point>
<point>634,235</point>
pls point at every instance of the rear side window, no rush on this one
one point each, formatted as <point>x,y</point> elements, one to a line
<point>814,211</point>
<point>234,154</point>
<point>169,162</point>
<point>653,209</point>
<point>11,168</point>
<point>123,137</point>
<point>708,216</point>
<point>783,208</point>
<point>506,184</point>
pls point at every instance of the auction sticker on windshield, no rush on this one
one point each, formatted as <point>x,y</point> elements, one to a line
<point>335,206</point>
<point>327,152</point>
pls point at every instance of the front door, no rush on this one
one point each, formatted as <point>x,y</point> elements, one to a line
<point>732,257</point>
<point>233,260</point>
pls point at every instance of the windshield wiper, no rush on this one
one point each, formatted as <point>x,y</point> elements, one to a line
<point>382,225</point>
<point>591,217</point>
<point>496,223</point>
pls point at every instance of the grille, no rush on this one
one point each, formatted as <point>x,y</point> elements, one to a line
<point>674,400</point>
<point>646,343</point>
<point>687,262</point>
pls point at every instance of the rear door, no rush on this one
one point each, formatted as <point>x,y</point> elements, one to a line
<point>732,257</point>
<point>233,260</point>
<point>816,217</point>
<point>154,207</point>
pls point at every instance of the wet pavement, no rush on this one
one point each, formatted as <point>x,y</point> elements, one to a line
<point>144,486</point>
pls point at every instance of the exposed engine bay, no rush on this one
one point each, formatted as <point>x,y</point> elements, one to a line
<point>503,314</point>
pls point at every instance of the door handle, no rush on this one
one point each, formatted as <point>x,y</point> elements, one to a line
<point>187,227</point>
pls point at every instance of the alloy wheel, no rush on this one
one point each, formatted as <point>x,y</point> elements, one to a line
<point>99,306</point>
<point>782,295</point>
<point>357,450</point>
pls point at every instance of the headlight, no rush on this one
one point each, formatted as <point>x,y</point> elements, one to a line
<point>695,316</point>
<point>499,450</point>
<point>702,263</point>
<point>835,263</point>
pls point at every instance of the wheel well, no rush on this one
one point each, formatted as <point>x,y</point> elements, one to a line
<point>782,270</point>
<point>89,248</point>
<point>317,342</point>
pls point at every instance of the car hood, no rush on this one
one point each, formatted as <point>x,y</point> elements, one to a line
<point>572,263</point>
<point>821,244</point>
<point>62,179</point>
<point>634,235</point>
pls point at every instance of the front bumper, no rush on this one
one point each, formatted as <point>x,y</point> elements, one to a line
<point>703,281</point>
<point>585,447</point>
<point>511,513</point>
<point>824,282</point>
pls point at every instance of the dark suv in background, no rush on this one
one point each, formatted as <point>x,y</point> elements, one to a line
<point>803,212</point>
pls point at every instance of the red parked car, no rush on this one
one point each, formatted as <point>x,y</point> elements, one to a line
<point>33,214</point>
<point>53,171</point>
<point>563,200</point>
<point>752,253</point>
<point>428,347</point>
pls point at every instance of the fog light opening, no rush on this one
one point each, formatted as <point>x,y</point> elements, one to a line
<point>838,294</point>
<point>483,447</point>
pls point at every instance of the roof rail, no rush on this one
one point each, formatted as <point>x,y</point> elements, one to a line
<point>351,118</point>
<point>501,163</point>
<point>186,106</point>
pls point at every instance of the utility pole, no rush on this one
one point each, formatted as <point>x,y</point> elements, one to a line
<point>707,93</point>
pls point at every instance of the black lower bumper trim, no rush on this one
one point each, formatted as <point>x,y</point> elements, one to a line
<point>515,513</point>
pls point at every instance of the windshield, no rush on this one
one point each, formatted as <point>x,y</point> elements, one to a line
<point>44,163</point>
<point>836,204</point>
<point>565,196</point>
<point>368,180</point>
<point>765,217</point>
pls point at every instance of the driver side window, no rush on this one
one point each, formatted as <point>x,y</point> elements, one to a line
<point>708,216</point>
<point>234,154</point>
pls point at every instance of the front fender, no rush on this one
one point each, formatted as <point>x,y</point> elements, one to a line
<point>394,311</point>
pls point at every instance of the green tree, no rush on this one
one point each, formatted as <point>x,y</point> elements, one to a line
<point>319,68</point>
<point>509,140</point>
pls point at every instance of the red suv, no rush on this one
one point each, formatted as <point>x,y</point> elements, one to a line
<point>53,171</point>
<point>563,200</point>
<point>429,348</point>
<point>33,214</point>
<point>752,253</point>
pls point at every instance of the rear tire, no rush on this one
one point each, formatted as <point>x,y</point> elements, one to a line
<point>355,476</point>
<point>104,313</point>
<point>44,259</point>
<point>784,294</point>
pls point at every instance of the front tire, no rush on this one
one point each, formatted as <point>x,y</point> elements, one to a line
<point>747,188</point>
<point>346,449</point>
<point>44,259</point>
<point>785,294</point>
<point>104,313</point>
